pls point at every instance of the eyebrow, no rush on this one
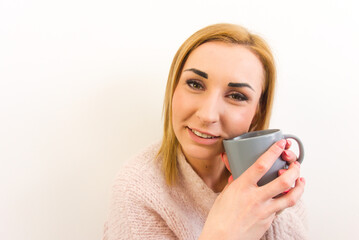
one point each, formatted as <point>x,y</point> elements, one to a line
<point>198,72</point>
<point>240,85</point>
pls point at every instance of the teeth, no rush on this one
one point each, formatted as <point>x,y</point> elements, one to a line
<point>202,135</point>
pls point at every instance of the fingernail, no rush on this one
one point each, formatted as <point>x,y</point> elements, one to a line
<point>230,179</point>
<point>282,143</point>
<point>286,154</point>
<point>281,171</point>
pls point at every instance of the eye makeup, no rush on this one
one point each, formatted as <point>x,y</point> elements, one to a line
<point>198,72</point>
<point>238,97</point>
<point>195,84</point>
<point>240,85</point>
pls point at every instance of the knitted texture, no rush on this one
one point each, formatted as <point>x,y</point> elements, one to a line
<point>144,207</point>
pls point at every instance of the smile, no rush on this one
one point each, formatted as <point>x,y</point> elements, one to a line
<point>202,135</point>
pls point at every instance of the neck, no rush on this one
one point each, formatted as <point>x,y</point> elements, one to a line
<point>213,172</point>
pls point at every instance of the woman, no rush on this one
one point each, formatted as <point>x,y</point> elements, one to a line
<point>220,85</point>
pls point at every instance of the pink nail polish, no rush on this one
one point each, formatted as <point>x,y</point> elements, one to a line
<point>230,179</point>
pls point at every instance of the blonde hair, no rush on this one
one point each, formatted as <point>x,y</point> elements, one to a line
<point>228,33</point>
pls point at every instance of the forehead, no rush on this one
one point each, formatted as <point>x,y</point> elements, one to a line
<point>223,53</point>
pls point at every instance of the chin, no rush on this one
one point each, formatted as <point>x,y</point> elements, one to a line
<point>201,152</point>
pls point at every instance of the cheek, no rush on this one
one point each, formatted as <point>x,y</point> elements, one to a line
<point>175,109</point>
<point>238,122</point>
<point>181,108</point>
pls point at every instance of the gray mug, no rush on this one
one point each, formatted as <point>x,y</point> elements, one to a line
<point>244,150</point>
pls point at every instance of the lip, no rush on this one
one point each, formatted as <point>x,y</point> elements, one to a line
<point>200,140</point>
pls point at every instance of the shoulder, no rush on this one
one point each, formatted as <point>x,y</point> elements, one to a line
<point>142,160</point>
<point>141,175</point>
<point>137,198</point>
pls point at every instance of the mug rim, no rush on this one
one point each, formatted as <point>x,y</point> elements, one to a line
<point>260,132</point>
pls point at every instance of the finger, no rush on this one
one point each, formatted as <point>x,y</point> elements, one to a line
<point>291,198</point>
<point>255,172</point>
<point>288,144</point>
<point>289,156</point>
<point>280,172</point>
<point>225,161</point>
<point>282,183</point>
<point>230,179</point>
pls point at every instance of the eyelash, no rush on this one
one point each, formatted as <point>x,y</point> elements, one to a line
<point>196,85</point>
<point>238,97</point>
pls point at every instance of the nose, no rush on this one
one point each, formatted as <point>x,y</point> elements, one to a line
<point>209,109</point>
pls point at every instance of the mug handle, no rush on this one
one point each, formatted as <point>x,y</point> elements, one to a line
<point>300,144</point>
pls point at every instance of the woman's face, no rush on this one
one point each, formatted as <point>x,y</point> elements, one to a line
<point>216,97</point>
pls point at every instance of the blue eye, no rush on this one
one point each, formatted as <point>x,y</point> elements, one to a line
<point>195,84</point>
<point>238,97</point>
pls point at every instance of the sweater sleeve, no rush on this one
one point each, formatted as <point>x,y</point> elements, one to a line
<point>131,215</point>
<point>290,224</point>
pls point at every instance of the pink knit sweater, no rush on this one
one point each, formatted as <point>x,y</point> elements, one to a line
<point>144,207</point>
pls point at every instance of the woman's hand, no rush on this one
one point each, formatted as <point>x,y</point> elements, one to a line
<point>288,156</point>
<point>245,211</point>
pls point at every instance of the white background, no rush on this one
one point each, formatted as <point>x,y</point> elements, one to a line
<point>81,90</point>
